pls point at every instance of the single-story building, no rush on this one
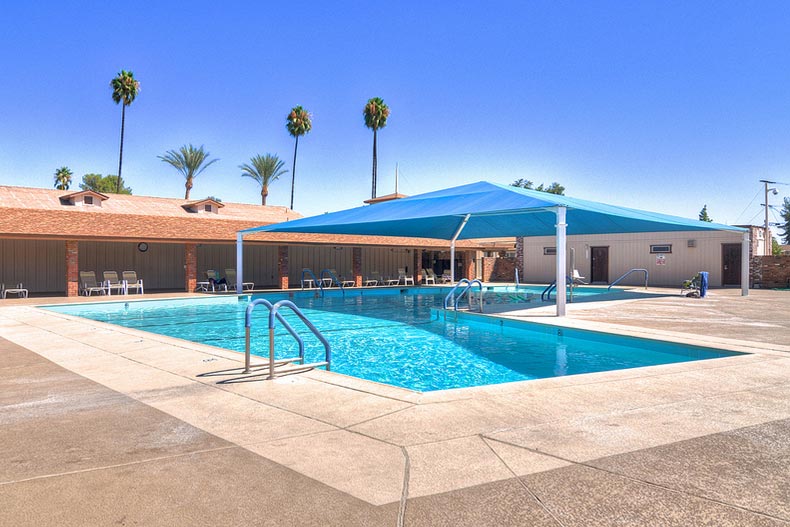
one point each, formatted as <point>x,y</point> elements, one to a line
<point>47,236</point>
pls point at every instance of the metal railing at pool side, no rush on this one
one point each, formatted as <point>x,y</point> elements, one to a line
<point>469,284</point>
<point>274,314</point>
<point>626,274</point>
<point>333,278</point>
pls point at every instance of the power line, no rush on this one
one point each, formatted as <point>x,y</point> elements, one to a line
<point>747,207</point>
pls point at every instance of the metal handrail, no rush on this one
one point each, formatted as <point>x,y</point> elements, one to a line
<point>626,274</point>
<point>316,281</point>
<point>275,314</point>
<point>248,325</point>
<point>333,277</point>
<point>469,284</point>
<point>546,294</point>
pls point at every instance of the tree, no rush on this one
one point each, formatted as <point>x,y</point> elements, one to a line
<point>776,249</point>
<point>63,178</point>
<point>554,188</point>
<point>124,91</point>
<point>298,123</point>
<point>703,214</point>
<point>376,113</point>
<point>785,225</point>
<point>104,184</point>
<point>190,161</point>
<point>265,170</point>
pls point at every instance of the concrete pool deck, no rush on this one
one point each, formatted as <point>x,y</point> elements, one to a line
<point>107,425</point>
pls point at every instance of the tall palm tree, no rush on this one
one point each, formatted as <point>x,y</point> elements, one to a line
<point>265,170</point>
<point>376,113</point>
<point>298,123</point>
<point>124,90</point>
<point>63,178</point>
<point>190,161</point>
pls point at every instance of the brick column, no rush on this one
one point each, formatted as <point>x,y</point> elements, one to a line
<point>468,270</point>
<point>72,268</point>
<point>190,266</point>
<point>416,270</point>
<point>522,269</point>
<point>356,263</point>
<point>282,266</point>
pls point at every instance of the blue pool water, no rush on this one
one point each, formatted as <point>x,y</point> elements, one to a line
<point>399,338</point>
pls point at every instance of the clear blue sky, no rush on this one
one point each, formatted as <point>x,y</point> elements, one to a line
<point>657,105</point>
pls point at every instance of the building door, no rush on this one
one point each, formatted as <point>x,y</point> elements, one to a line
<point>599,272</point>
<point>731,264</point>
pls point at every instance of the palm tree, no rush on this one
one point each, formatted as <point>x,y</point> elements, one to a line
<point>265,170</point>
<point>63,178</point>
<point>190,161</point>
<point>298,123</point>
<point>376,113</point>
<point>124,90</point>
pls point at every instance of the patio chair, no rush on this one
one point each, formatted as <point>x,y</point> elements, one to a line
<point>111,283</point>
<point>373,279</point>
<point>215,282</point>
<point>446,276</point>
<point>131,281</point>
<point>405,277</point>
<point>346,282</point>
<point>578,279</point>
<point>230,277</point>
<point>89,285</point>
<point>390,281</point>
<point>19,290</point>
<point>428,276</point>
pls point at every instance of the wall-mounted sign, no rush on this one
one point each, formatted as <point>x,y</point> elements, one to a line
<point>661,259</point>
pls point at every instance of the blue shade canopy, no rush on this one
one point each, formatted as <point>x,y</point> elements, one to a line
<point>494,211</point>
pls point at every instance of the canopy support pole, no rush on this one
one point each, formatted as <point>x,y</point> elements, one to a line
<point>561,261</point>
<point>745,260</point>
<point>239,262</point>
<point>452,247</point>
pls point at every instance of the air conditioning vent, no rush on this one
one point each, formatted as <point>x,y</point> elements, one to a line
<point>692,243</point>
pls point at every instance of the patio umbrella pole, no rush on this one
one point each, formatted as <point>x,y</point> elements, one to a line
<point>239,262</point>
<point>561,271</point>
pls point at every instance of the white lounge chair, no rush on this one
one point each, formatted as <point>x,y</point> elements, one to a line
<point>19,290</point>
<point>405,277</point>
<point>230,277</point>
<point>373,279</point>
<point>131,281</point>
<point>428,276</point>
<point>89,284</point>
<point>111,283</point>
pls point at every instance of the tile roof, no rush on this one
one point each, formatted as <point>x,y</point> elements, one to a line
<point>39,213</point>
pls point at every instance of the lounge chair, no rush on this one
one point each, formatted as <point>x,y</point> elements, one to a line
<point>373,279</point>
<point>428,276</point>
<point>346,282</point>
<point>390,281</point>
<point>403,276</point>
<point>230,277</point>
<point>89,285</point>
<point>447,277</point>
<point>578,279</point>
<point>215,282</point>
<point>19,290</point>
<point>131,281</point>
<point>111,283</point>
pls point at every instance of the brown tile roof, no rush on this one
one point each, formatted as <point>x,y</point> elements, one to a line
<point>38,213</point>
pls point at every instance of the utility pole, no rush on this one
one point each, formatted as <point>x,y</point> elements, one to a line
<point>767,237</point>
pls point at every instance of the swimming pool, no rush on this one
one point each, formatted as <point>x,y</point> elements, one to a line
<point>399,337</point>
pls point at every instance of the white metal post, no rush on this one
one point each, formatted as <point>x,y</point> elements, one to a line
<point>745,260</point>
<point>239,262</point>
<point>452,247</point>
<point>561,260</point>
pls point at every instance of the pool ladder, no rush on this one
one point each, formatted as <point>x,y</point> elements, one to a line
<point>319,281</point>
<point>274,314</point>
<point>468,284</point>
<point>628,273</point>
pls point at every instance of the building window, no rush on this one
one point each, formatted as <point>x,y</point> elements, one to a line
<point>550,251</point>
<point>661,249</point>
<point>88,200</point>
<point>208,208</point>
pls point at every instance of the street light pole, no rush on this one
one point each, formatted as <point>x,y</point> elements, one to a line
<point>767,237</point>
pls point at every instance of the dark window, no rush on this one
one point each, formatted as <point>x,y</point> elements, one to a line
<point>550,251</point>
<point>660,249</point>
<point>208,208</point>
<point>88,200</point>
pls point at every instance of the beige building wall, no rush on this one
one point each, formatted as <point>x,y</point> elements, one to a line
<point>629,251</point>
<point>386,260</point>
<point>260,262</point>
<point>160,267</point>
<point>39,264</point>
